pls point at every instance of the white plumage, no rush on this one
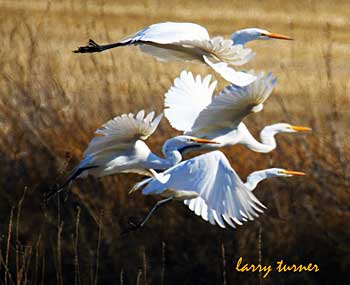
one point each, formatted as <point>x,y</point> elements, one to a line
<point>119,147</point>
<point>123,131</point>
<point>211,189</point>
<point>187,42</point>
<point>191,107</point>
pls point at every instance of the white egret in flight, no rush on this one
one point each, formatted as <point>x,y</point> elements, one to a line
<point>191,107</point>
<point>187,42</point>
<point>119,147</point>
<point>211,189</point>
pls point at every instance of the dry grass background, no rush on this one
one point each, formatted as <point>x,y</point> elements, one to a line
<point>52,100</point>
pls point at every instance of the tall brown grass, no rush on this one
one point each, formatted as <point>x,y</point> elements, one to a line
<point>52,100</point>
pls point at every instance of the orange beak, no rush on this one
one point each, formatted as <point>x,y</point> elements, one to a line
<point>278,36</point>
<point>198,140</point>
<point>301,129</point>
<point>296,173</point>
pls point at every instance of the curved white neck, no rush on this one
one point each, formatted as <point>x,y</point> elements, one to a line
<point>149,160</point>
<point>173,157</point>
<point>267,144</point>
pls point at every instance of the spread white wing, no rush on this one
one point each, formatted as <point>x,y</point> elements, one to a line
<point>169,33</point>
<point>231,105</point>
<point>123,131</point>
<point>186,98</point>
<point>222,195</point>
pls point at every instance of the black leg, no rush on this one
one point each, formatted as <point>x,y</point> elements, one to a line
<point>95,47</point>
<point>135,227</point>
<point>66,185</point>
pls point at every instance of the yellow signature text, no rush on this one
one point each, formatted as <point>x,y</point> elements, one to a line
<point>281,266</point>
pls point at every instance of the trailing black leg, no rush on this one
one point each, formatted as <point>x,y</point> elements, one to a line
<point>68,182</point>
<point>95,47</point>
<point>135,227</point>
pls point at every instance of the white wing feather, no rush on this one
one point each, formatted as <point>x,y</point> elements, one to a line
<point>222,195</point>
<point>238,78</point>
<point>231,105</point>
<point>220,49</point>
<point>186,98</point>
<point>122,131</point>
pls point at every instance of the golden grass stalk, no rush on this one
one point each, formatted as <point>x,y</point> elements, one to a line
<point>76,252</point>
<point>7,273</point>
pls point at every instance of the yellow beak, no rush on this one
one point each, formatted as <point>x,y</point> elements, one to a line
<point>198,140</point>
<point>301,129</point>
<point>292,172</point>
<point>278,36</point>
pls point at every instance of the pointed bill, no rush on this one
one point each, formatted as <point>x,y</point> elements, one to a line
<point>278,36</point>
<point>199,140</point>
<point>294,173</point>
<point>301,129</point>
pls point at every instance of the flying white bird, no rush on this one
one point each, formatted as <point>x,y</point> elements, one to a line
<point>191,107</point>
<point>119,147</point>
<point>211,189</point>
<point>191,42</point>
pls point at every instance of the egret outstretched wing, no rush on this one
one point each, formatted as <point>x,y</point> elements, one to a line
<point>222,195</point>
<point>190,106</point>
<point>169,33</point>
<point>186,98</point>
<point>123,131</point>
<point>231,105</point>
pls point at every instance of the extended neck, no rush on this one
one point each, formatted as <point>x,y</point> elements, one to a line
<point>255,177</point>
<point>267,144</point>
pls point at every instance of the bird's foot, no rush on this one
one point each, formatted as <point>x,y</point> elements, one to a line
<point>91,47</point>
<point>132,227</point>
<point>53,192</point>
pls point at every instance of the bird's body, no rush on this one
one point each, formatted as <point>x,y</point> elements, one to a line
<point>136,159</point>
<point>173,41</point>
<point>119,147</point>
<point>212,189</point>
<point>191,107</point>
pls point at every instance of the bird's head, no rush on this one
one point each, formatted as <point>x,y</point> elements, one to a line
<point>287,128</point>
<point>183,142</point>
<point>273,172</point>
<point>251,34</point>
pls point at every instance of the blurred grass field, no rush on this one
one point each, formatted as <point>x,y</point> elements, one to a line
<point>52,100</point>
